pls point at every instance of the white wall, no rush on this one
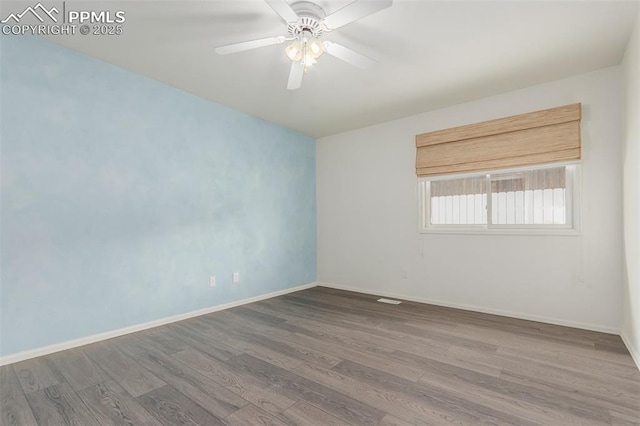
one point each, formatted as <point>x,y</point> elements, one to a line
<point>368,217</point>
<point>631,162</point>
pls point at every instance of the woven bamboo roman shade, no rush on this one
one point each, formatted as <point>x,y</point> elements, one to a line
<point>546,136</point>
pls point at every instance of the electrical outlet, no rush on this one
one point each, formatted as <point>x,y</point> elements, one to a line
<point>236,277</point>
<point>212,281</point>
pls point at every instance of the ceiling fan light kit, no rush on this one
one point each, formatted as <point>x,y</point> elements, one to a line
<point>306,51</point>
<point>306,23</point>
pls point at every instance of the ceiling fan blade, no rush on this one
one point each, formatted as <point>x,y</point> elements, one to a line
<point>248,45</point>
<point>283,9</point>
<point>349,56</point>
<point>354,11</point>
<point>295,76</point>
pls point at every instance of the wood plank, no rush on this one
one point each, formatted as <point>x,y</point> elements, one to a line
<point>266,330</point>
<point>474,361</point>
<point>35,374</point>
<point>157,339</point>
<point>215,398</point>
<point>287,348</point>
<point>405,407</point>
<point>201,342</point>
<point>583,404</point>
<point>257,316</point>
<point>551,398</point>
<point>505,340</point>
<point>446,338</point>
<point>390,420</point>
<point>624,419</point>
<point>399,324</point>
<point>535,411</point>
<point>371,329</point>
<point>305,414</point>
<point>252,415</point>
<point>319,395</point>
<point>14,408</point>
<point>59,405</point>
<point>623,392</point>
<point>606,368</point>
<point>165,342</point>
<point>220,333</point>
<point>78,369</point>
<point>357,311</point>
<point>364,355</point>
<point>170,407</point>
<point>475,413</point>
<point>247,386</point>
<point>293,306</point>
<point>123,369</point>
<point>110,404</point>
<point>369,306</point>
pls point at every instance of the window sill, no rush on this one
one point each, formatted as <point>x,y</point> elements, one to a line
<point>501,231</point>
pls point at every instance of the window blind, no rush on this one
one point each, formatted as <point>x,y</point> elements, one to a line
<point>546,136</point>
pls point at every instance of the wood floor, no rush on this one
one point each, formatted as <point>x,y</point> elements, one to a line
<point>329,357</point>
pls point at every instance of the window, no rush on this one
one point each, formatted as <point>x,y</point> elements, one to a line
<point>515,174</point>
<point>531,199</point>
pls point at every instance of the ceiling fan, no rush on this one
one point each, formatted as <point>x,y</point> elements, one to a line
<point>306,23</point>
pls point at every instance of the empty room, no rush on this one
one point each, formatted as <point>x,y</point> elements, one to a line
<point>323,212</point>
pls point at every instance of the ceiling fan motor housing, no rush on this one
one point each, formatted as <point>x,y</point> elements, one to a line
<point>309,24</point>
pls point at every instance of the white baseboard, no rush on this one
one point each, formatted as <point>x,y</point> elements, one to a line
<point>574,324</point>
<point>46,350</point>
<point>635,353</point>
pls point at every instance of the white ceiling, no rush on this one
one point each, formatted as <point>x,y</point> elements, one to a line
<point>430,54</point>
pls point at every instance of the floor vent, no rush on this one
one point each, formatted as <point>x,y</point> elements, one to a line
<point>389,301</point>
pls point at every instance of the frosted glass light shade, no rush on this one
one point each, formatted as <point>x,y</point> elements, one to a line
<point>315,48</point>
<point>294,51</point>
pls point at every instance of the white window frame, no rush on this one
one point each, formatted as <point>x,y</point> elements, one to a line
<point>573,191</point>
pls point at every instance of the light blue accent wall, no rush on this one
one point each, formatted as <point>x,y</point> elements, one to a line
<point>121,196</point>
